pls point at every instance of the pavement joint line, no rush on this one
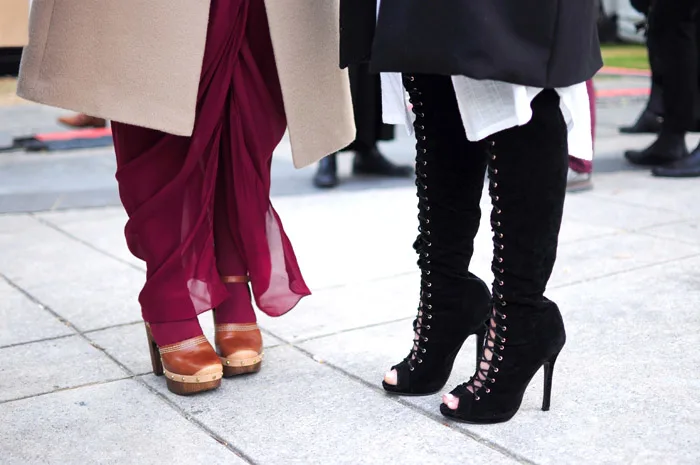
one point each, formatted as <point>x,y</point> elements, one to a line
<point>374,325</point>
<point>136,267</point>
<point>84,242</point>
<point>609,198</point>
<point>629,270</point>
<point>397,399</point>
<point>348,330</point>
<point>34,341</point>
<point>69,388</point>
<point>118,325</point>
<point>130,375</point>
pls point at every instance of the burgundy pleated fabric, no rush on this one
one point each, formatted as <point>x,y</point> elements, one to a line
<point>178,190</point>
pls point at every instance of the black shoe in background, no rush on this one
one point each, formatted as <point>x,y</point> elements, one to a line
<point>372,162</point>
<point>647,123</point>
<point>667,148</point>
<point>688,167</point>
<point>326,176</point>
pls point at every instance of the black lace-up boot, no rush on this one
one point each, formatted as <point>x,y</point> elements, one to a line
<point>450,178</point>
<point>527,170</point>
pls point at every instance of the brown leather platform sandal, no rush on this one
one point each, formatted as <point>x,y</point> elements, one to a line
<point>190,366</point>
<point>239,345</point>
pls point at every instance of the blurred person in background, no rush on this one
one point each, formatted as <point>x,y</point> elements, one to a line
<point>194,153</point>
<point>580,173</point>
<point>482,106</point>
<point>368,160</point>
<point>81,120</point>
<point>673,29</point>
<point>651,118</point>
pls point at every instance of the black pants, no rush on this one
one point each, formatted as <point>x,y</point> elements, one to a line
<point>367,105</point>
<point>673,48</point>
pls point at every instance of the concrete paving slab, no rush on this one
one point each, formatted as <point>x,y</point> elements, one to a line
<point>612,401</point>
<point>317,416</point>
<point>650,193</point>
<point>24,320</point>
<point>128,343</point>
<point>346,232</point>
<point>340,309</point>
<point>613,212</point>
<point>101,228</point>
<point>114,423</point>
<point>82,285</point>
<point>684,232</point>
<point>41,367</point>
<point>602,256</point>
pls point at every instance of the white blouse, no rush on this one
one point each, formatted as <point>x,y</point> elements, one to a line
<point>488,107</point>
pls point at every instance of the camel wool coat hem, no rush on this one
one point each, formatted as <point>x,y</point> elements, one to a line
<point>139,63</point>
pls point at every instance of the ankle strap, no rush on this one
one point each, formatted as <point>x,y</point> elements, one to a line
<point>235,279</point>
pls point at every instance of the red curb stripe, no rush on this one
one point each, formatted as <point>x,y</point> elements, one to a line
<point>634,92</point>
<point>76,134</point>
<point>611,70</point>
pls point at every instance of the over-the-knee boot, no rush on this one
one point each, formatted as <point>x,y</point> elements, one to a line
<point>450,178</point>
<point>527,170</point>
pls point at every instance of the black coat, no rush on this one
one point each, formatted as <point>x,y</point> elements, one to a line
<point>540,43</point>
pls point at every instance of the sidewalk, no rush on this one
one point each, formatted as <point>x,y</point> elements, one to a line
<point>75,381</point>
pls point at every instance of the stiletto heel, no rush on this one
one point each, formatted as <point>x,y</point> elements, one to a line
<point>548,371</point>
<point>239,346</point>
<point>189,366</point>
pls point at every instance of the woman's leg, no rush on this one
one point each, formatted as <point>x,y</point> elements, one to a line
<point>449,178</point>
<point>527,169</point>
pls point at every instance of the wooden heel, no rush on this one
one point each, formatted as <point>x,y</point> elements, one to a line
<point>156,362</point>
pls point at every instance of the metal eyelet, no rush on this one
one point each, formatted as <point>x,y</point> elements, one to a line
<point>503,304</point>
<point>496,198</point>
<point>477,397</point>
<point>500,260</point>
<point>488,391</point>
<point>498,223</point>
<point>425,339</point>
<point>500,235</point>
<point>427,327</point>
<point>502,348</point>
<point>495,370</point>
<point>430,294</point>
<point>504,328</point>
<point>503,317</point>
<point>495,171</point>
<point>501,283</point>
<point>500,358</point>
<point>412,368</point>
<point>420,360</point>
<point>423,350</point>
<point>427,272</point>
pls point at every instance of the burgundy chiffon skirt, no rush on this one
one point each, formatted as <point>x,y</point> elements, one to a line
<point>178,190</point>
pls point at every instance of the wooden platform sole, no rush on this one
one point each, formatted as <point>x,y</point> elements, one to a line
<point>241,367</point>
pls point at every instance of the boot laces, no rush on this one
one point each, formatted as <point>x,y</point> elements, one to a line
<point>421,324</point>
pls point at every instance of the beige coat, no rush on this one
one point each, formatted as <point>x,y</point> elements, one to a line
<point>139,62</point>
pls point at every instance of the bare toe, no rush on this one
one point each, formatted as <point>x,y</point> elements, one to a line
<point>391,378</point>
<point>451,401</point>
